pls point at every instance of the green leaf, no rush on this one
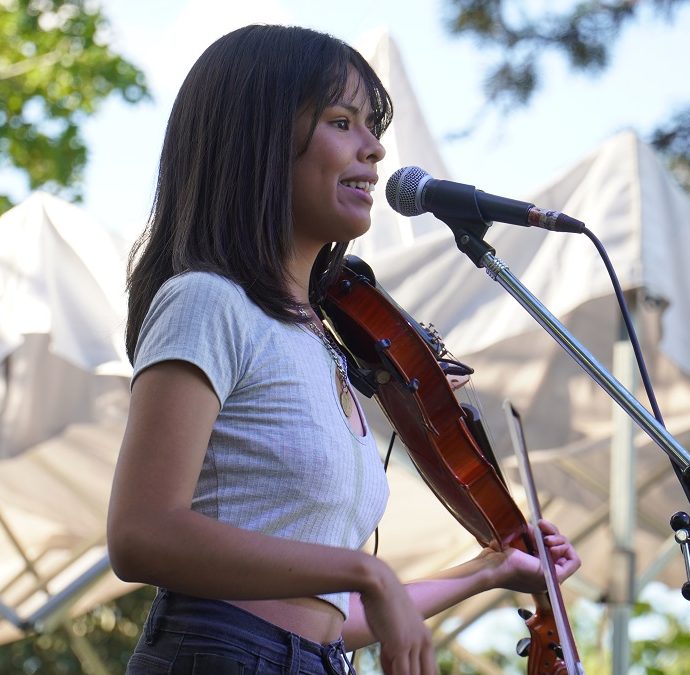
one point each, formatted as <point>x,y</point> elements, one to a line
<point>56,69</point>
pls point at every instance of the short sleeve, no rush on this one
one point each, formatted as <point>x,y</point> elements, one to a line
<point>197,317</point>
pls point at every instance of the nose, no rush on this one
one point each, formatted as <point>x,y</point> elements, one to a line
<point>372,150</point>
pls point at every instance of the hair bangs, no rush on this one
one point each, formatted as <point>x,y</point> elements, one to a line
<point>332,80</point>
<point>379,99</point>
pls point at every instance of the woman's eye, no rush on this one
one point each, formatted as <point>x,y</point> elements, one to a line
<point>344,125</point>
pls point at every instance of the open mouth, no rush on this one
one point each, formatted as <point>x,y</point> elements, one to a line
<point>363,185</point>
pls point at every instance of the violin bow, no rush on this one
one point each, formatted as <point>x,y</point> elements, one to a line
<point>567,641</point>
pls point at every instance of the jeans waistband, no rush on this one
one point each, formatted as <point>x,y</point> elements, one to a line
<point>175,612</point>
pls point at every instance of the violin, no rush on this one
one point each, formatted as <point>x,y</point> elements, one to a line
<point>404,366</point>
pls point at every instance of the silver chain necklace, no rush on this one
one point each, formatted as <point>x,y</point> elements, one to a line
<point>346,402</point>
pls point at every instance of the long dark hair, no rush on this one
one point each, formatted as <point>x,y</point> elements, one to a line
<point>223,200</point>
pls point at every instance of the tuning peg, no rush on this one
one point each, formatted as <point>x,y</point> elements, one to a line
<point>680,521</point>
<point>524,613</point>
<point>685,590</point>
<point>522,647</point>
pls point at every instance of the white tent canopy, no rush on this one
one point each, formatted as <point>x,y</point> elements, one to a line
<point>628,199</point>
<point>64,395</point>
<point>62,309</point>
<point>407,140</point>
<point>624,196</point>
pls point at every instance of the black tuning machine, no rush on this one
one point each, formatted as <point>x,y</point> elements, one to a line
<point>680,522</point>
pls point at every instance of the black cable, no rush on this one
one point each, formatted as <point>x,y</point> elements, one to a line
<point>376,531</point>
<point>385,469</point>
<point>389,451</point>
<point>646,381</point>
<point>642,366</point>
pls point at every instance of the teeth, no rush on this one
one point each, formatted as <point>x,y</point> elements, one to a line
<point>359,185</point>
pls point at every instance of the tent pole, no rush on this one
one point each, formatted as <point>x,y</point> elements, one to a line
<point>84,651</point>
<point>667,552</point>
<point>481,663</point>
<point>621,583</point>
<point>59,603</point>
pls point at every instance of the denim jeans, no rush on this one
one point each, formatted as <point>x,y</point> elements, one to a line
<point>192,636</point>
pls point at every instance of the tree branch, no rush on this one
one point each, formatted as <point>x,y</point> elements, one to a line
<point>34,63</point>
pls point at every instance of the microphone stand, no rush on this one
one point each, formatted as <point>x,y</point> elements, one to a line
<point>469,240</point>
<point>469,232</point>
<point>482,255</point>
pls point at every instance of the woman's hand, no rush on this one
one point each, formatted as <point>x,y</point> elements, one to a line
<point>517,571</point>
<point>395,622</point>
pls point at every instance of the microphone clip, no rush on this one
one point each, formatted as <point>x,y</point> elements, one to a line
<point>469,238</point>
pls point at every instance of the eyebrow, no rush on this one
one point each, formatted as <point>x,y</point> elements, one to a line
<point>353,109</point>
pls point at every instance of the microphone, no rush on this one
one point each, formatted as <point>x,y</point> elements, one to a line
<point>411,191</point>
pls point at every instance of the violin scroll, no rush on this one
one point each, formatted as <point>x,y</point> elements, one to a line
<point>542,647</point>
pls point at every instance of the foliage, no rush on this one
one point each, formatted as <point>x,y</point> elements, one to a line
<point>673,140</point>
<point>660,641</point>
<point>584,34</point>
<point>111,629</point>
<point>667,650</point>
<point>56,68</point>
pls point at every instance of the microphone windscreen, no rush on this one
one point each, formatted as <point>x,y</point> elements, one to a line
<point>402,190</point>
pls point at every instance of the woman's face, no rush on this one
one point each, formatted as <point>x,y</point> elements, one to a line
<point>334,177</point>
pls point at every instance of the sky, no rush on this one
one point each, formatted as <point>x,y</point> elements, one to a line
<point>511,154</point>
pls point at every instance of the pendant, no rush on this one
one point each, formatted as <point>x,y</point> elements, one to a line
<point>346,402</point>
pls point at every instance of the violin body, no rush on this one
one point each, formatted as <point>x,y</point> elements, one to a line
<point>393,358</point>
<point>416,397</point>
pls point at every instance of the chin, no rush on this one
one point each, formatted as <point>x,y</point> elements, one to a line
<point>345,229</point>
<point>359,230</point>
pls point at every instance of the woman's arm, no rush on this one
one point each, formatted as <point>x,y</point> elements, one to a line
<point>510,569</point>
<point>154,537</point>
<point>153,534</point>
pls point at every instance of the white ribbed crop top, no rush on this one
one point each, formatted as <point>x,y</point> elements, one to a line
<point>282,458</point>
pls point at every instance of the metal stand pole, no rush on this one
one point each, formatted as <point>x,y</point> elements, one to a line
<point>498,271</point>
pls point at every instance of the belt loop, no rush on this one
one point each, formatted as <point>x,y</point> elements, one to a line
<point>295,656</point>
<point>153,620</point>
<point>336,660</point>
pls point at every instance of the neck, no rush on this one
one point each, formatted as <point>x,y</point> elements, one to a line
<point>299,268</point>
<point>299,273</point>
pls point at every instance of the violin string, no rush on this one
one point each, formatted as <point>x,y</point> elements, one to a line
<point>469,391</point>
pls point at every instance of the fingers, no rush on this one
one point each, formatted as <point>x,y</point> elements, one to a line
<point>397,624</point>
<point>417,658</point>
<point>428,660</point>
<point>547,527</point>
<point>560,549</point>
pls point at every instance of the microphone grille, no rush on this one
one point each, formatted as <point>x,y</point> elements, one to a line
<point>402,190</point>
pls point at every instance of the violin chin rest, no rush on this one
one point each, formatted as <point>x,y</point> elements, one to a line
<point>360,268</point>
